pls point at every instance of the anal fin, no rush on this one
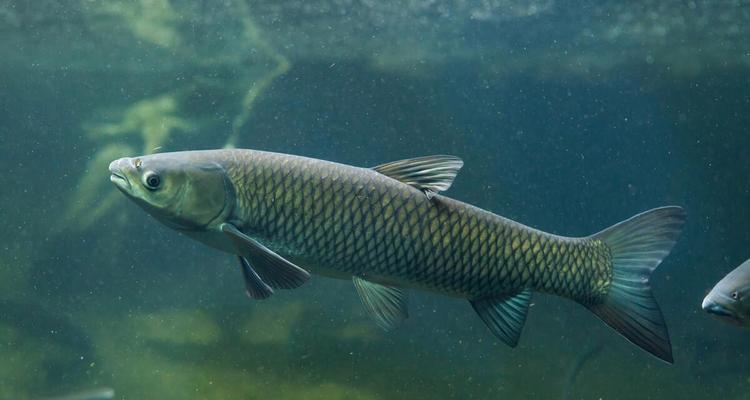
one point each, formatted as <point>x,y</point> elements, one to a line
<point>387,305</point>
<point>504,315</point>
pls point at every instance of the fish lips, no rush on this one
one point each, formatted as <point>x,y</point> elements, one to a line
<point>118,177</point>
<point>717,309</point>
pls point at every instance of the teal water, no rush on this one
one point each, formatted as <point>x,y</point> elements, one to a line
<point>570,116</point>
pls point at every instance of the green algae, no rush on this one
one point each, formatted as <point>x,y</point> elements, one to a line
<point>281,65</point>
<point>153,21</point>
<point>152,119</point>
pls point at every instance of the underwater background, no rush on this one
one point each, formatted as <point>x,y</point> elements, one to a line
<point>569,115</point>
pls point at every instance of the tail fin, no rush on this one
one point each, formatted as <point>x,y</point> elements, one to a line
<point>638,245</point>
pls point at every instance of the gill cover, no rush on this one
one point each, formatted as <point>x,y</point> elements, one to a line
<point>204,195</point>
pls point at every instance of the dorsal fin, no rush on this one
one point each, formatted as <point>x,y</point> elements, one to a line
<point>431,174</point>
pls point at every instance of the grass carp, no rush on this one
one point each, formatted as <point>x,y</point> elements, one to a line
<point>387,229</point>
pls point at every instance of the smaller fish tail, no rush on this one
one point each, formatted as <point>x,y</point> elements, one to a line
<point>638,245</point>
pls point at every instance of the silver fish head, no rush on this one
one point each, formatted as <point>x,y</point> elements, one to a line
<point>185,190</point>
<point>729,300</point>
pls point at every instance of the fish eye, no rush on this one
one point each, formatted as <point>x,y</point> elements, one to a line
<point>735,295</point>
<point>151,180</point>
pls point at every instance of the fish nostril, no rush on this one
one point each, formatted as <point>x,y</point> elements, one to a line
<point>115,165</point>
<point>712,307</point>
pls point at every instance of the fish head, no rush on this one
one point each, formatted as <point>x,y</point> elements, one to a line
<point>729,300</point>
<point>182,190</point>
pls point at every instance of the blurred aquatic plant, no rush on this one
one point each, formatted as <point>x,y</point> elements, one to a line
<point>282,66</point>
<point>158,22</point>
<point>154,119</point>
<point>154,21</point>
<point>404,35</point>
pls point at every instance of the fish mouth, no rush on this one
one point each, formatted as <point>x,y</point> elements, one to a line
<point>716,309</point>
<point>117,177</point>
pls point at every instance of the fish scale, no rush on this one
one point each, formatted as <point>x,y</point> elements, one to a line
<point>357,221</point>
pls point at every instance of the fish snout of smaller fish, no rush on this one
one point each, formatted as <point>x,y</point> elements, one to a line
<point>729,300</point>
<point>717,309</point>
<point>724,310</point>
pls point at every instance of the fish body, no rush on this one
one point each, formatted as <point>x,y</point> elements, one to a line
<point>341,220</point>
<point>388,230</point>
<point>729,300</point>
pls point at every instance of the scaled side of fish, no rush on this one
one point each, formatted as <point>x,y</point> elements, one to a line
<point>388,230</point>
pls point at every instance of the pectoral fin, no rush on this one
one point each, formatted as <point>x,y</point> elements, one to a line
<point>254,285</point>
<point>504,315</point>
<point>386,305</point>
<point>273,269</point>
<point>431,174</point>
